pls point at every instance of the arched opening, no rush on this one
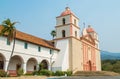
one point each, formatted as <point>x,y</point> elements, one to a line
<point>63,21</point>
<point>63,33</point>
<point>44,65</point>
<point>2,61</point>
<point>75,21</point>
<point>75,33</point>
<point>31,65</point>
<point>90,65</point>
<point>15,64</point>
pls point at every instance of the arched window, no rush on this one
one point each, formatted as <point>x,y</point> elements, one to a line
<point>75,33</point>
<point>75,21</point>
<point>63,33</point>
<point>63,21</point>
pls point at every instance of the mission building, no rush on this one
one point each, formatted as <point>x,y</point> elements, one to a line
<point>71,49</point>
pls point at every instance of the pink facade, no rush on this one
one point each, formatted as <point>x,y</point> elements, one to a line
<point>89,56</point>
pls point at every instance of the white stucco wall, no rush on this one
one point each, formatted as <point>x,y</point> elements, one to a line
<point>77,20</point>
<point>26,54</point>
<point>62,61</point>
<point>59,31</point>
<point>75,29</point>
<point>59,20</point>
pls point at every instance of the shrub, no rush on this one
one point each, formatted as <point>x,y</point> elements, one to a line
<point>35,73</point>
<point>53,74</point>
<point>50,73</point>
<point>20,72</point>
<point>28,74</point>
<point>68,73</point>
<point>59,73</point>
<point>62,73</point>
<point>2,73</point>
<point>45,72</point>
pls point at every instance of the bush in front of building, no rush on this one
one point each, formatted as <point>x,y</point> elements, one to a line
<point>28,74</point>
<point>50,73</point>
<point>36,73</point>
<point>2,73</point>
<point>46,72</point>
<point>59,73</point>
<point>68,73</point>
<point>63,73</point>
<point>20,72</point>
<point>43,72</point>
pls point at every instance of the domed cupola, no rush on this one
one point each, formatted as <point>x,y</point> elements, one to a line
<point>92,32</point>
<point>90,29</point>
<point>66,12</point>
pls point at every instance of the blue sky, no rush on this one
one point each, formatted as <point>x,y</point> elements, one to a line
<point>38,17</point>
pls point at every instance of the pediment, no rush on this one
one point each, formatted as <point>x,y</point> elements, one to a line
<point>89,38</point>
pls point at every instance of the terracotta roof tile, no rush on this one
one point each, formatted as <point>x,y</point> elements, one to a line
<point>90,29</point>
<point>66,12</point>
<point>32,39</point>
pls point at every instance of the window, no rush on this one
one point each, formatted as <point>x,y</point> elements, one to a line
<point>75,21</point>
<point>75,33</point>
<point>63,33</point>
<point>25,45</point>
<point>39,49</point>
<point>63,21</point>
<point>50,51</point>
<point>8,42</point>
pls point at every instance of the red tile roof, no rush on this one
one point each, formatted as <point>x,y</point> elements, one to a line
<point>32,39</point>
<point>66,12</point>
<point>90,29</point>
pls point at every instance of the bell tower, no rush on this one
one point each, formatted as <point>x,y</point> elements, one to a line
<point>67,25</point>
<point>68,41</point>
<point>75,50</point>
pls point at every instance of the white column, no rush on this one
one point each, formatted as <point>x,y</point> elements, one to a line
<point>49,67</point>
<point>24,67</point>
<point>6,65</point>
<point>37,67</point>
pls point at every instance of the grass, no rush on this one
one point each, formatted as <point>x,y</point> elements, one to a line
<point>95,73</point>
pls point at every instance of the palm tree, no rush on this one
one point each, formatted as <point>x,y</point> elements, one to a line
<point>9,30</point>
<point>53,33</point>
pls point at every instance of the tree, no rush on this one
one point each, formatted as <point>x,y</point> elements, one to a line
<point>111,65</point>
<point>9,30</point>
<point>53,33</point>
